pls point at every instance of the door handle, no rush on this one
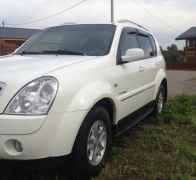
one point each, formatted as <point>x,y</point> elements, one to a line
<point>141,69</point>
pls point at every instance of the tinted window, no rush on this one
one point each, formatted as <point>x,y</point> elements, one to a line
<point>90,40</point>
<point>153,45</point>
<point>147,45</point>
<point>128,41</point>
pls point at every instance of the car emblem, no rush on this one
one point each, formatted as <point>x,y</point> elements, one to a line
<point>2,87</point>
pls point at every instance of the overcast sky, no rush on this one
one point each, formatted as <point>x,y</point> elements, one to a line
<point>166,18</point>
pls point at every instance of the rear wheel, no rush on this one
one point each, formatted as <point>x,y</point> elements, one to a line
<point>93,142</point>
<point>160,100</point>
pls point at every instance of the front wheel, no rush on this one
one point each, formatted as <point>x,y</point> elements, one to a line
<point>93,142</point>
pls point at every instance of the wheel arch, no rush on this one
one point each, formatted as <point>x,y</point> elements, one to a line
<point>110,106</point>
<point>165,84</point>
<point>160,79</point>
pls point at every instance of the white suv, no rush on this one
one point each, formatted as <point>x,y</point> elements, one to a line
<point>69,89</point>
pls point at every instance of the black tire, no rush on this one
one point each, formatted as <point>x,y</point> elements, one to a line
<point>80,158</point>
<point>162,92</point>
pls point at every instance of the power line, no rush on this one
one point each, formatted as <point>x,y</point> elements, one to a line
<point>51,16</point>
<point>157,17</point>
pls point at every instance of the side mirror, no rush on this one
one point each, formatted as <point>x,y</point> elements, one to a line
<point>15,50</point>
<point>133,55</point>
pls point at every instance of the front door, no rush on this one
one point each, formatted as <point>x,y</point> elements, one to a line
<point>135,79</point>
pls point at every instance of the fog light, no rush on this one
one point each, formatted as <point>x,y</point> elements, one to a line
<point>18,146</point>
<point>13,147</point>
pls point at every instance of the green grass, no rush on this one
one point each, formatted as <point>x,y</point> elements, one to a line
<point>160,148</point>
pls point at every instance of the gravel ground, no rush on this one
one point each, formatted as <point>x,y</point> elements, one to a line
<point>181,82</point>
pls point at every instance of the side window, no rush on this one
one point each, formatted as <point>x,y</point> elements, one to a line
<point>154,46</point>
<point>128,41</point>
<point>147,45</point>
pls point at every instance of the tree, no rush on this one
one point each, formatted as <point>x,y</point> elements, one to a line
<point>173,55</point>
<point>173,48</point>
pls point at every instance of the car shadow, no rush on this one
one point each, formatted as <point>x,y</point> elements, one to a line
<point>47,175</point>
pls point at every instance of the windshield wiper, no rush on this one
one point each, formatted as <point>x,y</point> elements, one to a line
<point>28,52</point>
<point>63,52</point>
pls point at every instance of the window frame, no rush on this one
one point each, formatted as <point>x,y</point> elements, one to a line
<point>127,30</point>
<point>152,42</point>
<point>137,32</point>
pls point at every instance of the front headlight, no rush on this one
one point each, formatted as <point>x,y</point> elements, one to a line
<point>35,98</point>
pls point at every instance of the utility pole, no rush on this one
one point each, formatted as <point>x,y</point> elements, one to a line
<point>3,24</point>
<point>112,11</point>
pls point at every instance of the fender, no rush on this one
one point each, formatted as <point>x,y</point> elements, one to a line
<point>78,108</point>
<point>161,75</point>
<point>89,95</point>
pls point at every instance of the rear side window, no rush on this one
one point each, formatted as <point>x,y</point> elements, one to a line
<point>148,45</point>
<point>128,41</point>
<point>154,46</point>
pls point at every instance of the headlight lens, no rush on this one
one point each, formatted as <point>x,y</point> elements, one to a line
<point>35,98</point>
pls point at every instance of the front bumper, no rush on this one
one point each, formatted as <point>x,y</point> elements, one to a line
<point>20,125</point>
<point>36,165</point>
<point>54,138</point>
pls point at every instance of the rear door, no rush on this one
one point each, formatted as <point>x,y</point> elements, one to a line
<point>148,65</point>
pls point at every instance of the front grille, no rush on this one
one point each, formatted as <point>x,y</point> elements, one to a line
<point>2,87</point>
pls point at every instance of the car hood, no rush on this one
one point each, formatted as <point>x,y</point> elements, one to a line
<point>17,70</point>
<point>19,67</point>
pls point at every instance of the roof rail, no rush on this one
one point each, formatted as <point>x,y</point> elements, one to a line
<point>68,23</point>
<point>132,22</point>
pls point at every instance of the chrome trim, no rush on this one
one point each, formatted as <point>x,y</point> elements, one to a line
<point>139,92</point>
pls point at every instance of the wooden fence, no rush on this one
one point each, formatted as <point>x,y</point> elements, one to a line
<point>182,66</point>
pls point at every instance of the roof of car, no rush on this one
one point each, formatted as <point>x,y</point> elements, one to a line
<point>17,33</point>
<point>122,23</point>
<point>81,25</point>
<point>131,23</point>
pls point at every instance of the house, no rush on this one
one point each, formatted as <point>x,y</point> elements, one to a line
<point>12,38</point>
<point>190,50</point>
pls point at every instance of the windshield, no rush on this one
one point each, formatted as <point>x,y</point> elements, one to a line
<point>87,40</point>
